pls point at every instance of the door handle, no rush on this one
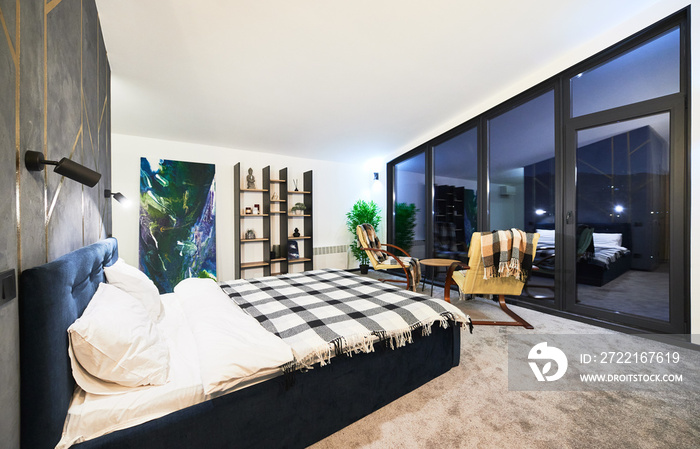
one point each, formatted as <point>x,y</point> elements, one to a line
<point>569,216</point>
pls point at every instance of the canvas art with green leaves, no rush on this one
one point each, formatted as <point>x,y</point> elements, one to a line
<point>177,232</point>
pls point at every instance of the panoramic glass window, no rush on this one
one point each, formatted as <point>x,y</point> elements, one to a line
<point>409,179</point>
<point>522,182</point>
<point>454,208</point>
<point>521,156</point>
<point>600,172</point>
<point>648,71</point>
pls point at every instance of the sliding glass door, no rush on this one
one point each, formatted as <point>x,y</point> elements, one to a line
<point>622,203</point>
<point>629,233</point>
<point>625,193</point>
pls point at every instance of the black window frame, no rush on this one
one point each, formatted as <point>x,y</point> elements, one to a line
<point>563,116</point>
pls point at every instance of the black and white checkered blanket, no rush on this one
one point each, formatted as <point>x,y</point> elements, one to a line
<point>328,312</point>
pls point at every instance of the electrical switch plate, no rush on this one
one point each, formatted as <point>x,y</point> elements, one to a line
<point>9,288</point>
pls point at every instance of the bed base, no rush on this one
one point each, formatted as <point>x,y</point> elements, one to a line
<point>270,414</point>
<point>321,402</point>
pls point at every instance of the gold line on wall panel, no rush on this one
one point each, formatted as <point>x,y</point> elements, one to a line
<point>82,211</point>
<point>17,138</point>
<point>83,116</point>
<point>51,5</point>
<point>15,56</point>
<point>92,144</point>
<point>102,116</point>
<point>53,203</point>
<point>102,216</point>
<point>97,78</point>
<point>75,144</point>
<point>60,184</point>
<point>45,139</point>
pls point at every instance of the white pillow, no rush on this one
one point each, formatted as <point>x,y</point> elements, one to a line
<point>602,240</point>
<point>137,284</point>
<point>547,237</point>
<point>115,341</point>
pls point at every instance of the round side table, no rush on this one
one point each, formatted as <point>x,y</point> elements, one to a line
<point>433,264</point>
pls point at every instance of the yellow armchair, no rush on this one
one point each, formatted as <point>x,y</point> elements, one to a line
<point>470,280</point>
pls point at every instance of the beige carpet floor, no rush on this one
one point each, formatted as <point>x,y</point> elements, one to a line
<point>471,407</point>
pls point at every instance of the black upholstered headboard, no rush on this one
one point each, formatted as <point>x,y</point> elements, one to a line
<point>51,298</point>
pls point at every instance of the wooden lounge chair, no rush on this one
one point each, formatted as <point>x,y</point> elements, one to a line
<point>381,259</point>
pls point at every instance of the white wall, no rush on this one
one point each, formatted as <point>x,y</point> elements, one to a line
<point>336,188</point>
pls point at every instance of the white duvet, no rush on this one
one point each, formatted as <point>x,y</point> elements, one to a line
<point>214,347</point>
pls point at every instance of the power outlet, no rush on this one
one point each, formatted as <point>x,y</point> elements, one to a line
<point>9,287</point>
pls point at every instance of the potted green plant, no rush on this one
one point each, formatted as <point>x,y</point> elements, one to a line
<point>362,212</point>
<point>405,225</point>
<point>299,208</point>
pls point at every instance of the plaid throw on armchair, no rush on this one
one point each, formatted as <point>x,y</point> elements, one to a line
<point>384,260</point>
<point>507,253</point>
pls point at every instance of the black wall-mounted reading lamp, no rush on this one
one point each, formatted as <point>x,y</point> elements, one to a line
<point>34,161</point>
<point>124,201</point>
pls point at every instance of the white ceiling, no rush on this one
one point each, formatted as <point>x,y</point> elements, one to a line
<point>326,79</point>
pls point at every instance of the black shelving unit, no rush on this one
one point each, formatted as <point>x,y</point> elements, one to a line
<point>278,262</point>
<point>449,208</point>
<point>303,221</point>
<point>240,217</point>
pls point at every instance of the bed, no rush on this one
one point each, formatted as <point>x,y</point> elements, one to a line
<point>609,259</point>
<point>294,409</point>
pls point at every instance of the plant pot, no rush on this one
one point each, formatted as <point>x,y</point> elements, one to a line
<point>364,268</point>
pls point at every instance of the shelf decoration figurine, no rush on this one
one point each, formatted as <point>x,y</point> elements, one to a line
<point>298,208</point>
<point>296,233</point>
<point>249,234</point>
<point>296,182</point>
<point>274,196</point>
<point>250,179</point>
<point>256,209</point>
<point>248,211</point>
